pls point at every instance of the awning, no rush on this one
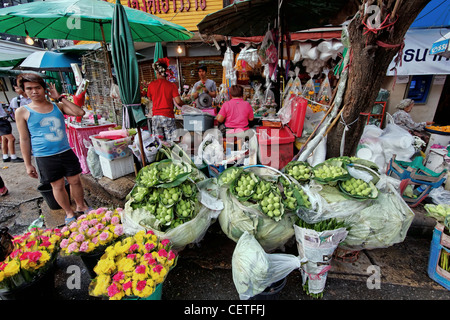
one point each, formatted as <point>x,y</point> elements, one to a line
<point>295,36</point>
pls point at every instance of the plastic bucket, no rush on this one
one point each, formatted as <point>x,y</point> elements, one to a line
<point>41,288</point>
<point>47,193</point>
<point>271,292</point>
<point>156,295</point>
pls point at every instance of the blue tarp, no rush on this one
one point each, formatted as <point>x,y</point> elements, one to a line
<point>436,14</point>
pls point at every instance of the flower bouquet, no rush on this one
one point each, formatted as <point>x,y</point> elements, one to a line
<point>133,268</point>
<point>91,232</point>
<point>33,255</point>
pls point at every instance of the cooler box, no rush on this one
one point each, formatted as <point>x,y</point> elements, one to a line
<point>276,146</point>
<point>118,167</point>
<point>111,149</point>
<point>198,122</point>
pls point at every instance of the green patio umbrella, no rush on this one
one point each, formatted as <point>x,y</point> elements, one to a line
<point>84,20</point>
<point>127,72</point>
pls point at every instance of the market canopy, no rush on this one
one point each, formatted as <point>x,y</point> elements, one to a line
<point>250,18</point>
<point>436,14</point>
<point>84,20</point>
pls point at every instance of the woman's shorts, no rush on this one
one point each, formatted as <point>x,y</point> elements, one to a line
<point>5,127</point>
<point>55,167</point>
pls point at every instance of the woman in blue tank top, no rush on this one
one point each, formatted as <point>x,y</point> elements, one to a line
<point>42,130</point>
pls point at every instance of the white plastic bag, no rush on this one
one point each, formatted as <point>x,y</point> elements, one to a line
<point>254,270</point>
<point>93,160</point>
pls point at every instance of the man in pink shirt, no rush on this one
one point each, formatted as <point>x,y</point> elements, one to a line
<point>236,113</point>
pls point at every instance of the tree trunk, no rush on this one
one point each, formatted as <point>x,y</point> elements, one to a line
<point>367,68</point>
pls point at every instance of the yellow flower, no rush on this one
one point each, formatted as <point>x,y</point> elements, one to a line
<point>105,266</point>
<point>125,265</point>
<point>2,276</point>
<point>12,268</point>
<point>101,286</point>
<point>139,236</point>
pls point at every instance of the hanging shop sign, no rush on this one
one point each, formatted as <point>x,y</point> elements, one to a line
<point>187,13</point>
<point>416,57</point>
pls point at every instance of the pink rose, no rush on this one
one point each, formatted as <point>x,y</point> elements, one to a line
<point>118,230</point>
<point>73,225</point>
<point>165,242</point>
<point>72,247</point>
<point>104,236</point>
<point>95,240</point>
<point>93,222</point>
<point>91,231</point>
<point>100,210</point>
<point>115,220</point>
<point>100,226</point>
<point>79,238</point>
<point>84,246</point>
<point>64,243</point>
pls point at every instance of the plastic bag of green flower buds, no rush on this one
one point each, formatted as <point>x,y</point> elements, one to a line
<point>227,176</point>
<point>330,171</point>
<point>299,170</point>
<point>241,214</point>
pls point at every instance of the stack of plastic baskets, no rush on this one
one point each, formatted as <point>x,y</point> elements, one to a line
<point>439,244</point>
<point>414,173</point>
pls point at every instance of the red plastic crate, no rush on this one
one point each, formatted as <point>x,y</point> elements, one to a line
<point>276,146</point>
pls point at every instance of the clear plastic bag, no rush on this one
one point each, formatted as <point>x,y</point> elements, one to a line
<point>254,270</point>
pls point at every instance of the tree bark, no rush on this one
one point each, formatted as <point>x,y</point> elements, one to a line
<point>367,68</point>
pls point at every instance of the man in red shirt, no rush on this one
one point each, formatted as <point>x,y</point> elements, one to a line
<point>163,93</point>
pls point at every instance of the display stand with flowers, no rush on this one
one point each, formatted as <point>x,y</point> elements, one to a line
<point>28,271</point>
<point>134,268</point>
<point>90,234</point>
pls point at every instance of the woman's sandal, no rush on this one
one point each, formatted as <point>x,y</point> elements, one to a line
<point>70,220</point>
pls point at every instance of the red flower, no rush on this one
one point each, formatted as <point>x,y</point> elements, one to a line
<point>118,276</point>
<point>113,290</point>
<point>127,285</point>
<point>162,253</point>
<point>141,285</point>
<point>30,244</point>
<point>140,269</point>
<point>134,247</point>
<point>158,268</point>
<point>45,243</point>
